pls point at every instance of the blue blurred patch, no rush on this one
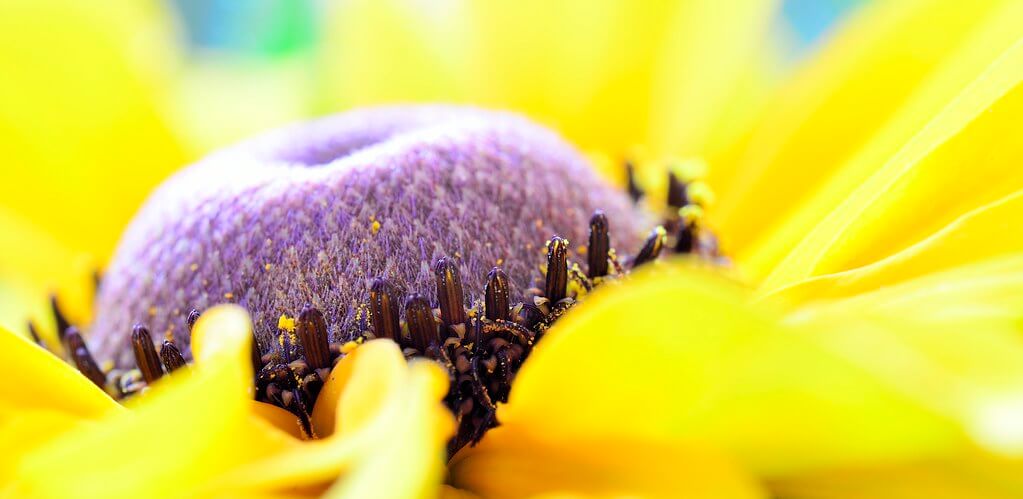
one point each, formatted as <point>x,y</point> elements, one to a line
<point>810,18</point>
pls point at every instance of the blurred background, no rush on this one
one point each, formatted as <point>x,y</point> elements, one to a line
<point>99,101</point>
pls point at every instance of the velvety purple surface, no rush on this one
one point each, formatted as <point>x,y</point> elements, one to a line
<point>287,219</point>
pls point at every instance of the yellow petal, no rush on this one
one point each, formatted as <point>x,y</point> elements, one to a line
<point>375,397</point>
<point>983,46</point>
<point>39,380</point>
<point>975,478</point>
<point>868,69</point>
<point>183,432</point>
<point>80,113</point>
<point>978,129</point>
<point>678,357</point>
<point>413,444</point>
<point>991,231</point>
<point>580,66</point>
<point>34,264</point>
<point>508,464</point>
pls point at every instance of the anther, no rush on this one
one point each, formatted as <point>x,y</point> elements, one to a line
<point>600,245</point>
<point>676,191</point>
<point>383,310</point>
<point>557,269</point>
<point>311,329</point>
<point>449,292</point>
<point>652,247</point>
<point>193,317</point>
<point>145,354</point>
<point>34,333</point>
<point>61,320</point>
<point>81,357</point>
<point>635,192</point>
<point>419,319</point>
<point>171,357</point>
<point>496,295</point>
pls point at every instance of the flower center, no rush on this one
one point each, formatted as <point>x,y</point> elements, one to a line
<point>422,225</point>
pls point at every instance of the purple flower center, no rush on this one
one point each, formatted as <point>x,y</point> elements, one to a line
<point>309,214</point>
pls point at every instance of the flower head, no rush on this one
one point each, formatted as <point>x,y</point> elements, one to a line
<point>312,213</point>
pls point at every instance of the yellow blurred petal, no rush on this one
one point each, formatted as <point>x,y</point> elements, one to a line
<point>25,429</point>
<point>966,157</point>
<point>278,418</point>
<point>370,391</point>
<point>40,380</point>
<point>580,66</point>
<point>975,478</point>
<point>81,131</point>
<point>950,341</point>
<point>413,445</point>
<point>33,264</point>
<point>984,45</point>
<point>869,68</point>
<point>184,431</point>
<point>714,371</point>
<point>507,464</point>
<point>991,231</point>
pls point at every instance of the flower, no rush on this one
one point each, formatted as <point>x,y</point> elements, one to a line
<point>868,347</point>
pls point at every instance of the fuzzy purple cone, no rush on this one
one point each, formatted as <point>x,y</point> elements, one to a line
<point>310,213</point>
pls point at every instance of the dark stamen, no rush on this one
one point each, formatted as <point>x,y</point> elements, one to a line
<point>145,354</point>
<point>676,191</point>
<point>600,245</point>
<point>311,329</point>
<point>61,320</point>
<point>32,331</point>
<point>686,239</point>
<point>449,292</point>
<point>635,192</point>
<point>81,357</point>
<point>496,295</point>
<point>171,357</point>
<point>652,247</point>
<point>383,310</point>
<point>557,269</point>
<point>419,318</point>
<point>193,317</point>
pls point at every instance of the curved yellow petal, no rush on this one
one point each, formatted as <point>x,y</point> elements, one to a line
<point>413,445</point>
<point>40,380</point>
<point>81,130</point>
<point>677,356</point>
<point>966,157</point>
<point>181,433</point>
<point>850,89</point>
<point>999,31</point>
<point>508,464</point>
<point>380,404</point>
<point>991,231</point>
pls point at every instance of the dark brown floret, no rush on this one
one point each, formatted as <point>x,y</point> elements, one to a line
<point>146,357</point>
<point>383,310</point>
<point>496,295</point>
<point>312,333</point>
<point>171,357</point>
<point>600,245</point>
<point>557,269</point>
<point>81,358</point>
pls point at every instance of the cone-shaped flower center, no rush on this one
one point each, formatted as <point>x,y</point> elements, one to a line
<point>313,213</point>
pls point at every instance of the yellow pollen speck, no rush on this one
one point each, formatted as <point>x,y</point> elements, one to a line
<point>286,323</point>
<point>700,193</point>
<point>691,213</point>
<point>267,267</point>
<point>581,250</point>
<point>500,261</point>
<point>228,296</point>
<point>539,223</point>
<point>375,227</point>
<point>193,267</point>
<point>107,366</point>
<point>152,311</point>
